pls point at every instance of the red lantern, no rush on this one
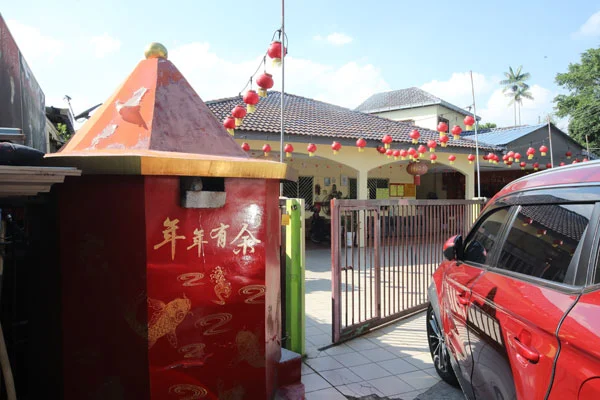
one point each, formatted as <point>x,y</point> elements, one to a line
<point>543,150</point>
<point>264,82</point>
<point>456,131</point>
<point>288,149</point>
<point>336,146</point>
<point>229,124</point>
<point>432,144</point>
<point>575,161</point>
<point>528,220</point>
<point>387,140</point>
<point>416,170</point>
<point>238,112</point>
<point>536,166</point>
<point>396,154</point>
<point>432,158</point>
<point>549,165</point>
<point>471,158</point>
<point>562,164</point>
<point>517,157</point>
<point>469,122</point>
<point>442,128</point>
<point>451,158</point>
<point>530,153</point>
<point>415,135</point>
<point>311,148</point>
<point>557,242</point>
<point>523,165</point>
<point>251,99</point>
<point>389,153</point>
<point>412,151</point>
<point>361,144</point>
<point>541,232</point>
<point>381,149</point>
<point>505,159</point>
<point>568,154</point>
<point>511,156</point>
<point>422,149</point>
<point>444,140</point>
<point>403,154</point>
<point>496,159</point>
<point>274,52</point>
<point>266,149</point>
<point>584,160</point>
<point>485,157</point>
<point>245,146</point>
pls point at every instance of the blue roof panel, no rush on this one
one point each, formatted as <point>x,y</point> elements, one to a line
<point>502,136</point>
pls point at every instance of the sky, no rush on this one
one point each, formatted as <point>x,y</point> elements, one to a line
<point>339,52</point>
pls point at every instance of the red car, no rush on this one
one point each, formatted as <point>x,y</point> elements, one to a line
<point>515,307</point>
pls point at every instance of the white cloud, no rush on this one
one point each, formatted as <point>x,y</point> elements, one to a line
<point>105,44</point>
<point>591,27</point>
<point>34,44</point>
<point>214,77</point>
<point>457,89</point>
<point>336,38</point>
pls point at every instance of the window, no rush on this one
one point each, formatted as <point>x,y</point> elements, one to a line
<point>378,188</point>
<point>302,189</point>
<point>440,119</point>
<point>482,240</point>
<point>543,240</point>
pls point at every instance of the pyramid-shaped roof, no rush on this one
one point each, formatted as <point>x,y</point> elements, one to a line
<point>153,117</point>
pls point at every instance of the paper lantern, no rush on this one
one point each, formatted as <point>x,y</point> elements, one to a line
<point>562,164</point>
<point>415,135</point>
<point>511,156</point>
<point>549,165</point>
<point>422,149</point>
<point>523,164</point>
<point>266,149</point>
<point>275,52</point>
<point>403,154</point>
<point>361,144</point>
<point>451,158</point>
<point>238,112</point>
<point>543,150</point>
<point>387,141</point>
<point>432,144</point>
<point>311,148</point>
<point>251,99</point>
<point>229,124</point>
<point>288,149</point>
<point>517,157</point>
<point>444,140</point>
<point>432,158</point>
<point>471,158</point>
<point>568,154</point>
<point>469,122</point>
<point>456,131</point>
<point>416,170</point>
<point>530,153</point>
<point>442,128</point>
<point>389,153</point>
<point>536,166</point>
<point>336,146</point>
<point>264,82</point>
<point>396,154</point>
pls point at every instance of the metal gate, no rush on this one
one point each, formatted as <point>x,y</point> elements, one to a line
<point>384,253</point>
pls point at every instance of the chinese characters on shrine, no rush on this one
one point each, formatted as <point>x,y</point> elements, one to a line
<point>244,242</point>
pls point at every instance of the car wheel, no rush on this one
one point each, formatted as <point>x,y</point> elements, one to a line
<point>438,349</point>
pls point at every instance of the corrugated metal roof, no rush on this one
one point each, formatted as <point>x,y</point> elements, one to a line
<point>502,136</point>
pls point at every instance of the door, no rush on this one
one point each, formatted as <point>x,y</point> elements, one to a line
<point>516,307</point>
<point>459,277</point>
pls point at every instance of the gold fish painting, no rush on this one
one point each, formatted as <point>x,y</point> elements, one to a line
<point>166,319</point>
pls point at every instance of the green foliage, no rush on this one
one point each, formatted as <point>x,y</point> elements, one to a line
<point>63,133</point>
<point>516,88</point>
<point>582,104</point>
<point>487,125</point>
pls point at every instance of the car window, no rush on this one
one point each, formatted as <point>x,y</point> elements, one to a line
<point>543,239</point>
<point>484,237</point>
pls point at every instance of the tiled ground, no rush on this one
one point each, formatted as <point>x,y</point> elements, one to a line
<point>393,361</point>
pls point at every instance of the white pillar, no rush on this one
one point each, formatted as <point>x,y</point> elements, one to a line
<point>363,194</point>
<point>469,184</point>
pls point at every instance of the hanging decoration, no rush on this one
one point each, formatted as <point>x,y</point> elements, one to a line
<point>432,144</point>
<point>266,149</point>
<point>517,157</point>
<point>543,150</point>
<point>505,159</point>
<point>536,166</point>
<point>274,52</point>
<point>511,156</point>
<point>245,146</point>
<point>229,124</point>
<point>523,164</point>
<point>568,154</point>
<point>442,129</point>
<point>456,131</point>
<point>530,153</point>
<point>387,141</point>
<point>422,149</point>
<point>403,154</point>
<point>381,149</point>
<point>389,153</point>
<point>433,158</point>
<point>361,144</point>
<point>469,122</point>
<point>288,149</point>
<point>549,165</point>
<point>451,158</point>
<point>562,164</point>
<point>238,112</point>
<point>396,154</point>
<point>414,135</point>
<point>557,242</point>
<point>264,82</point>
<point>336,146</point>
<point>471,158</point>
<point>311,148</point>
<point>541,232</point>
<point>416,170</point>
<point>485,157</point>
<point>444,140</point>
<point>527,221</point>
<point>251,99</point>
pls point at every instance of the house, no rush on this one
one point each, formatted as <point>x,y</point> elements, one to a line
<point>350,173</point>
<point>414,106</point>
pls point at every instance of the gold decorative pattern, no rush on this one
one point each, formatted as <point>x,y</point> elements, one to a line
<point>220,318</point>
<point>166,319</point>
<point>191,279</point>
<point>170,235</point>
<point>222,286</point>
<point>194,350</point>
<point>192,392</point>
<point>256,291</point>
<point>249,349</point>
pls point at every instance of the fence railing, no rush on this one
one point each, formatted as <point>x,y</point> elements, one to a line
<point>384,253</point>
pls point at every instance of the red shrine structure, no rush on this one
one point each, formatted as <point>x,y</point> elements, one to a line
<point>169,251</point>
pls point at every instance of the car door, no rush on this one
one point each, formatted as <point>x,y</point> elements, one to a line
<point>577,371</point>
<point>459,277</point>
<point>516,307</point>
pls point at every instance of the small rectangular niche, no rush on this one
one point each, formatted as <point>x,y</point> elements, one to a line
<point>197,192</point>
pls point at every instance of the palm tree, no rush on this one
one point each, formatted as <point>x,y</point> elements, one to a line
<point>517,98</point>
<point>515,80</point>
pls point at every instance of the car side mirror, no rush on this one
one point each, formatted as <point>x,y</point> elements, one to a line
<point>453,248</point>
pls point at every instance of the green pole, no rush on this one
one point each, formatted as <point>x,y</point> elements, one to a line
<point>295,264</point>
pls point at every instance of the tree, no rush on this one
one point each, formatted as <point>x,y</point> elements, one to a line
<point>516,88</point>
<point>487,125</point>
<point>582,104</point>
